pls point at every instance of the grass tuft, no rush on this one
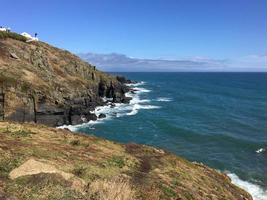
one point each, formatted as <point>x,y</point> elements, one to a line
<point>4,35</point>
<point>116,188</point>
<point>116,161</point>
<point>79,171</point>
<point>168,191</point>
<point>75,142</point>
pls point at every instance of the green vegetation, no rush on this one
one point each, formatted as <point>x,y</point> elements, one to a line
<point>75,166</point>
<point>116,161</point>
<point>42,186</point>
<point>168,191</point>
<point>16,132</point>
<point>79,171</point>
<point>21,133</point>
<point>4,35</point>
<point>7,164</point>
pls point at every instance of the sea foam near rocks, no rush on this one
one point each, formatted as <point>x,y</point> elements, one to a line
<point>256,191</point>
<point>136,84</point>
<point>113,110</point>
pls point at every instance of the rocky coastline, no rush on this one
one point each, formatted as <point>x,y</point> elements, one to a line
<point>42,84</point>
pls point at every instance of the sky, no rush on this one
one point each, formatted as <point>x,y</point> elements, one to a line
<point>229,34</point>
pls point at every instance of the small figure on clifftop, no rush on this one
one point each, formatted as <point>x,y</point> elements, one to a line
<point>35,35</point>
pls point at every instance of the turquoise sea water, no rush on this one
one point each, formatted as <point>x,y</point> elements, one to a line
<point>219,119</point>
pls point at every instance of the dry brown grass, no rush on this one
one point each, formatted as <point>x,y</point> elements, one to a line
<point>107,169</point>
<point>115,189</point>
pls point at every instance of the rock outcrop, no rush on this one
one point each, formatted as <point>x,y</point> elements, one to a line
<point>43,84</point>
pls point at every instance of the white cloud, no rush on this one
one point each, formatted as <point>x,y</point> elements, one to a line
<point>120,62</point>
<point>251,62</point>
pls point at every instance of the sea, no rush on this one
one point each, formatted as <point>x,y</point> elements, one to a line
<point>218,119</point>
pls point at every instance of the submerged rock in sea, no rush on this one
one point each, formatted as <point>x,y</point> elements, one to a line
<point>102,115</point>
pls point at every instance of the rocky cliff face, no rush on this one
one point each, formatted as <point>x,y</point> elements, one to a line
<point>43,84</point>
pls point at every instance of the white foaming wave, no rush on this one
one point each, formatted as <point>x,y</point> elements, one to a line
<point>132,108</point>
<point>105,99</point>
<point>136,99</point>
<point>260,150</point>
<point>137,107</point>
<point>75,128</point>
<point>119,109</point>
<point>256,191</point>
<point>136,84</point>
<point>140,90</point>
<point>164,99</point>
<point>133,112</point>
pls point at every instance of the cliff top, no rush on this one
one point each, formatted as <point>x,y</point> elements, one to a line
<point>38,162</point>
<point>43,68</point>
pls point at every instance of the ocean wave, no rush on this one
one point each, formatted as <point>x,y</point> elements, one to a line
<point>119,109</point>
<point>164,99</point>
<point>75,128</point>
<point>260,150</point>
<point>140,90</point>
<point>137,107</point>
<point>135,104</point>
<point>256,191</point>
<point>136,84</point>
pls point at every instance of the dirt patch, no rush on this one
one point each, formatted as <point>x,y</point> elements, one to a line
<point>33,167</point>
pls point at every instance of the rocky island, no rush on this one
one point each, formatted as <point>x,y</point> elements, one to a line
<point>44,86</point>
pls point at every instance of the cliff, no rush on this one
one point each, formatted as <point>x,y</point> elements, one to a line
<point>43,84</point>
<point>38,162</point>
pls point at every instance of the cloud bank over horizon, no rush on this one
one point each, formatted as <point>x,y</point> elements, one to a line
<point>122,63</point>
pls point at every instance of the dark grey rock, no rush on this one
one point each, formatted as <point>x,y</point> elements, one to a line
<point>102,115</point>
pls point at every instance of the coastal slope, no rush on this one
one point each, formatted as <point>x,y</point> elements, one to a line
<point>38,162</point>
<point>43,84</point>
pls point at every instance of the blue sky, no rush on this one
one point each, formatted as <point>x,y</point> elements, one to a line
<point>228,30</point>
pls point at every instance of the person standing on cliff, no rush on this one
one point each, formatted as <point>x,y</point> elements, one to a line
<point>35,35</point>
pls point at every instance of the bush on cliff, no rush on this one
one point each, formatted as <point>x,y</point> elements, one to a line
<point>4,35</point>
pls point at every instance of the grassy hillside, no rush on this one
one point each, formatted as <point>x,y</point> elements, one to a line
<point>38,162</point>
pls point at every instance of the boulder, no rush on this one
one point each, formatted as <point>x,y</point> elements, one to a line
<point>91,117</point>
<point>102,115</point>
<point>13,55</point>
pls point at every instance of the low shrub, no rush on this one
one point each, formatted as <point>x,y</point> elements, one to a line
<point>21,133</point>
<point>75,142</point>
<point>4,35</point>
<point>79,171</point>
<point>168,191</point>
<point>117,161</point>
